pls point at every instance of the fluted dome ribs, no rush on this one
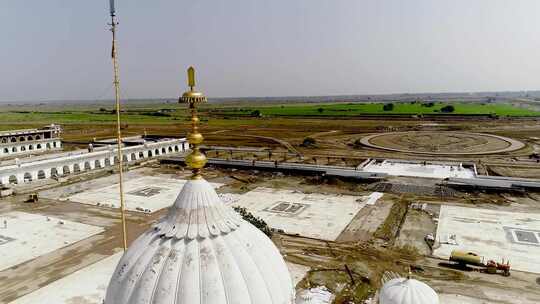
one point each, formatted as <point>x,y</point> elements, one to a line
<point>197,214</point>
<point>202,252</point>
<point>407,291</point>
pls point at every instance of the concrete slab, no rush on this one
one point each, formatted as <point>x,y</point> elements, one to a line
<point>492,234</point>
<point>142,193</point>
<point>418,169</point>
<point>86,286</point>
<point>321,216</point>
<point>499,296</point>
<point>25,236</point>
<point>298,272</point>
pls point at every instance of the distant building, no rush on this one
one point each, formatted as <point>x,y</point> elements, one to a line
<point>26,141</point>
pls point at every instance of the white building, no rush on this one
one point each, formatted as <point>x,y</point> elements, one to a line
<point>201,252</point>
<point>26,141</point>
<point>66,163</point>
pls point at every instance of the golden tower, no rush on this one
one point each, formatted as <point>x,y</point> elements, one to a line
<point>196,159</point>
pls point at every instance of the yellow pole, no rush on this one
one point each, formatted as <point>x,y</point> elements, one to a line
<point>119,134</point>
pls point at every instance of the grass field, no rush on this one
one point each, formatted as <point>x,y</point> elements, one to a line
<point>167,113</point>
<point>351,109</point>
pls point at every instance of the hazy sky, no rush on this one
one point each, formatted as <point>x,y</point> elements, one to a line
<point>60,49</point>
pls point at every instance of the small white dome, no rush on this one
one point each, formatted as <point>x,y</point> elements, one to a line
<point>407,291</point>
<point>202,252</point>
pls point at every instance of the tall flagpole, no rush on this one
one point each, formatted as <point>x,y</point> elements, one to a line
<point>118,131</point>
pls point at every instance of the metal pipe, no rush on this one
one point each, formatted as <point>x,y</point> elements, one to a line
<point>118,131</point>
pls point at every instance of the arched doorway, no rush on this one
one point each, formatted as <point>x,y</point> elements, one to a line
<point>41,174</point>
<point>27,177</point>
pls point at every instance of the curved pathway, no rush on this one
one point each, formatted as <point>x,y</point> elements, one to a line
<point>512,144</point>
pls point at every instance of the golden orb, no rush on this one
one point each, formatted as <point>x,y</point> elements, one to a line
<point>195,119</point>
<point>195,138</point>
<point>196,160</point>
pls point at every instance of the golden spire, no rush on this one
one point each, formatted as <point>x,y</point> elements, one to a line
<point>196,159</point>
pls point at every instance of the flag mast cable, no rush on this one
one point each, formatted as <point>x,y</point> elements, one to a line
<point>113,25</point>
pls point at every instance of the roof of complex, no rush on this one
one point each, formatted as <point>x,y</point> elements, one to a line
<point>407,291</point>
<point>201,252</point>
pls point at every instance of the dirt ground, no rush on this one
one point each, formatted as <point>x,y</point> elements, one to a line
<point>366,256</point>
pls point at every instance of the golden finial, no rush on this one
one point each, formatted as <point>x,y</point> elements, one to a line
<point>196,159</point>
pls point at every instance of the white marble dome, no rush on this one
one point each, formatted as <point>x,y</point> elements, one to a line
<point>201,252</point>
<point>407,291</point>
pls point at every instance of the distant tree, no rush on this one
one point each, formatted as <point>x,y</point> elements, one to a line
<point>448,109</point>
<point>256,113</point>
<point>102,110</point>
<point>156,114</point>
<point>388,107</point>
<point>320,110</point>
<point>428,104</point>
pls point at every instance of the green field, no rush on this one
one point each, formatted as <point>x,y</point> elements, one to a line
<point>177,113</point>
<point>352,109</point>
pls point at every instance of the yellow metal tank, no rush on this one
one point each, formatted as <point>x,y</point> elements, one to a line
<point>465,257</point>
